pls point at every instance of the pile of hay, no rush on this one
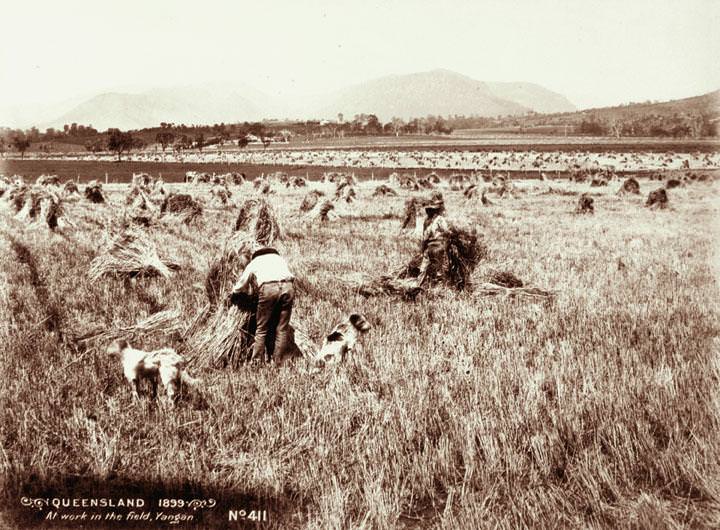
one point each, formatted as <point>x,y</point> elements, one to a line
<point>630,185</point>
<point>471,191</point>
<point>585,204</point>
<point>70,188</point>
<point>235,179</point>
<point>345,192</point>
<point>48,180</point>
<point>384,190</point>
<point>413,206</point>
<point>457,181</point>
<point>93,192</point>
<point>432,178</point>
<point>142,180</point>
<point>15,195</point>
<point>36,204</point>
<point>532,293</point>
<point>166,322</point>
<point>28,200</point>
<point>220,194</point>
<point>182,205</point>
<point>295,182</point>
<point>310,200</point>
<point>258,216</point>
<point>673,183</point>
<point>657,199</point>
<point>504,279</point>
<point>225,270</point>
<point>323,211</point>
<point>131,254</point>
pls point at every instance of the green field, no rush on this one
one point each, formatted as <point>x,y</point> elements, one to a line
<point>599,409</point>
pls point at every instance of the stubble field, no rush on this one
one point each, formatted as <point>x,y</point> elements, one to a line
<point>597,409</point>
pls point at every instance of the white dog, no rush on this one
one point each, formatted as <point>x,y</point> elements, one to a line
<point>165,364</point>
<point>342,340</point>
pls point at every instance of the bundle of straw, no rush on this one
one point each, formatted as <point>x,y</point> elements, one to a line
<point>93,192</point>
<point>132,254</point>
<point>491,289</point>
<point>48,180</point>
<point>323,211</point>
<point>183,205</point>
<point>221,194</point>
<point>31,204</point>
<point>384,190</point>
<point>70,188</point>
<point>310,200</point>
<point>585,204</point>
<point>657,199</point>
<point>165,322</point>
<point>259,216</point>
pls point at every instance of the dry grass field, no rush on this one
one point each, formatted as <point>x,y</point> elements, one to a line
<point>598,409</point>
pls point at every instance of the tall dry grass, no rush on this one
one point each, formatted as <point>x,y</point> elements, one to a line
<point>599,409</point>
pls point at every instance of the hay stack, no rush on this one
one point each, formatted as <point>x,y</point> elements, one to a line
<point>93,192</point>
<point>432,178</point>
<point>48,180</point>
<point>50,210</point>
<point>585,204</point>
<point>235,179</point>
<point>310,200</point>
<point>182,205</point>
<point>471,191</point>
<point>30,206</point>
<point>70,188</point>
<point>323,211</point>
<point>225,271</point>
<point>295,182</point>
<point>345,192</point>
<point>657,199</point>
<point>383,191</point>
<point>410,213</point>
<point>631,186</point>
<point>673,183</point>
<point>504,279</point>
<point>457,181</point>
<point>220,194</point>
<point>15,195</point>
<point>258,216</point>
<point>133,254</point>
<point>142,180</point>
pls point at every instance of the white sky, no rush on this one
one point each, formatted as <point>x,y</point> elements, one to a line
<point>594,52</point>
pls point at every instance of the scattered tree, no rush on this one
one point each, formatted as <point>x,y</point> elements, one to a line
<point>22,144</point>
<point>164,138</point>
<point>119,142</point>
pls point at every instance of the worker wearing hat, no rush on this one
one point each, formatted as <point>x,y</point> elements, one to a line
<point>435,228</point>
<point>269,276</point>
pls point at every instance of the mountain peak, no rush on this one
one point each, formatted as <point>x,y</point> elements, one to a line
<point>438,92</point>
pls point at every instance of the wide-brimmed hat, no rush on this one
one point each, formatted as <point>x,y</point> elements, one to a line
<point>436,202</point>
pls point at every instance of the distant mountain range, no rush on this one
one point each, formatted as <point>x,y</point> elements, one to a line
<point>438,92</point>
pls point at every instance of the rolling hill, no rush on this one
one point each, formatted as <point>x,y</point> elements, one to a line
<point>438,92</point>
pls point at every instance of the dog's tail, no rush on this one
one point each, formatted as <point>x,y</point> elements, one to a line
<point>189,380</point>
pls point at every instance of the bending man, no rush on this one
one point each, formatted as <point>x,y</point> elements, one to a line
<point>269,276</point>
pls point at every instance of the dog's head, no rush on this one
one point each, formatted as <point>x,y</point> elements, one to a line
<point>117,347</point>
<point>343,338</point>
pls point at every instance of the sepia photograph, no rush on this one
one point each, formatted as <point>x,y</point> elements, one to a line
<point>330,264</point>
